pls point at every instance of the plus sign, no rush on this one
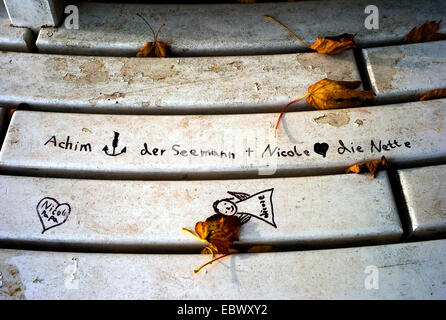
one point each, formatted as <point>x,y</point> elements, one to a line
<point>249,151</point>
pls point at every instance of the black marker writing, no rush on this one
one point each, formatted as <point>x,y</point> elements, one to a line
<point>379,146</point>
<point>67,144</point>
<point>52,213</point>
<point>293,152</point>
<point>178,151</point>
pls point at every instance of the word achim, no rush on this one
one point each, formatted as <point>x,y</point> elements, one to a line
<point>67,144</point>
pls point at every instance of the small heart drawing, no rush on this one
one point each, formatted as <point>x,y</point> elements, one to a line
<point>52,213</point>
<point>321,148</point>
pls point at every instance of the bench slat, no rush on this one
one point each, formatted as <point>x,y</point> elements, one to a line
<point>167,86</point>
<point>222,146</point>
<point>402,271</point>
<point>149,215</point>
<point>12,38</point>
<point>406,72</point>
<point>233,29</point>
<point>425,193</point>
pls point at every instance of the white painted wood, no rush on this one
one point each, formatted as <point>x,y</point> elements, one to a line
<point>233,29</point>
<point>223,146</point>
<point>404,271</point>
<point>172,85</point>
<point>13,38</point>
<point>149,215</point>
<point>34,14</point>
<point>425,194</point>
<point>406,72</point>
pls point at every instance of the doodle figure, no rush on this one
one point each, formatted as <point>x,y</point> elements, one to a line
<point>245,206</point>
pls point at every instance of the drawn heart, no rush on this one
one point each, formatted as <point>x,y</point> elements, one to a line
<point>52,213</point>
<point>321,148</point>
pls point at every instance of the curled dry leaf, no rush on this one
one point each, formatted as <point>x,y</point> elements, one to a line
<point>433,94</point>
<point>332,94</point>
<point>334,45</point>
<point>372,166</point>
<point>155,48</point>
<point>326,45</point>
<point>427,32</point>
<point>159,49</point>
<point>220,231</point>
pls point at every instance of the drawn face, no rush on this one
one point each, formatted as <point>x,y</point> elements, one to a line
<point>226,207</point>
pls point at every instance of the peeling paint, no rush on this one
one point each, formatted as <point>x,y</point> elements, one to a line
<point>94,72</point>
<point>12,287</point>
<point>335,119</point>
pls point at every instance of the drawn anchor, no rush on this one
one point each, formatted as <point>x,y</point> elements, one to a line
<point>114,145</point>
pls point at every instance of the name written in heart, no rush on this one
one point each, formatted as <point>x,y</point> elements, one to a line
<point>52,213</point>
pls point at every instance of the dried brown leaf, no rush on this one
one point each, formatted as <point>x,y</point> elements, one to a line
<point>427,32</point>
<point>151,49</point>
<point>155,48</point>
<point>433,94</point>
<point>371,166</point>
<point>334,45</point>
<point>220,231</point>
<point>332,94</point>
<point>324,45</point>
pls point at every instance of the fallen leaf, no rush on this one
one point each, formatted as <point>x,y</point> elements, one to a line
<point>331,94</point>
<point>372,166</point>
<point>220,231</point>
<point>334,45</point>
<point>433,94</point>
<point>155,48</point>
<point>324,45</point>
<point>427,32</point>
